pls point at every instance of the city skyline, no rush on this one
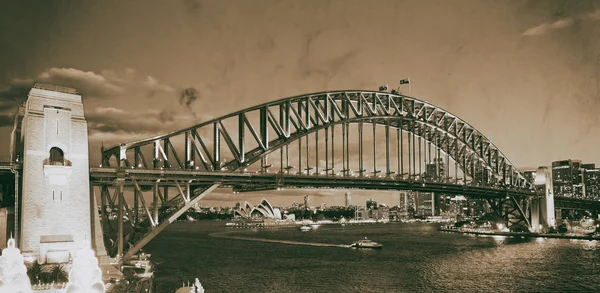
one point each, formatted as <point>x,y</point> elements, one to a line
<point>487,62</point>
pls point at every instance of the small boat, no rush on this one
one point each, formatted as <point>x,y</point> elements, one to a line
<point>305,228</point>
<point>196,287</point>
<point>366,243</point>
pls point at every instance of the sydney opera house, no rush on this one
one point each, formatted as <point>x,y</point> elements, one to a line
<point>263,210</point>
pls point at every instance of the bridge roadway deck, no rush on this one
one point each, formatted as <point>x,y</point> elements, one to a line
<point>269,181</point>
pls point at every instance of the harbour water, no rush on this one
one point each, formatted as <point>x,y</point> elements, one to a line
<point>415,258</point>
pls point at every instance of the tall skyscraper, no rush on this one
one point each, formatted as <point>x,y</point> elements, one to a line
<point>425,203</point>
<point>435,171</point>
<point>306,201</point>
<point>481,174</point>
<point>565,177</point>
<point>591,182</point>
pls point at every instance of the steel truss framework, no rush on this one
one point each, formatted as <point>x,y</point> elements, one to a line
<point>234,142</point>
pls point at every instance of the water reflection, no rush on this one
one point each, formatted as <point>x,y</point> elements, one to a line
<point>415,258</point>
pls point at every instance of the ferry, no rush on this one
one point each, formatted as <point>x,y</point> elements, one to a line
<point>305,228</point>
<point>366,243</point>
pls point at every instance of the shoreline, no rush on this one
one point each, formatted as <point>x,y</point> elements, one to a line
<point>523,235</point>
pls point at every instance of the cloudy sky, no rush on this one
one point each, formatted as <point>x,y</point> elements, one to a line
<point>524,73</point>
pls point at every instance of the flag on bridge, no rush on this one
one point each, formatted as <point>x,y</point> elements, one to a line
<point>405,81</point>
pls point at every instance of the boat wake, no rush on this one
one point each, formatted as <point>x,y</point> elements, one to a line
<point>227,236</point>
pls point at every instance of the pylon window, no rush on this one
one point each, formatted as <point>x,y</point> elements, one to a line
<point>57,157</point>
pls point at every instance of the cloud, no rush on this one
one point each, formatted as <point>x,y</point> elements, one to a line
<point>88,82</point>
<point>114,125</point>
<point>104,85</point>
<point>188,96</point>
<point>12,96</point>
<point>154,86</point>
<point>561,23</point>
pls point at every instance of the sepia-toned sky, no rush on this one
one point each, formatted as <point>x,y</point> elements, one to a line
<point>524,73</point>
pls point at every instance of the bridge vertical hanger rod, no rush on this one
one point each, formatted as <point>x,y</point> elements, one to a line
<point>429,156</point>
<point>307,156</point>
<point>387,145</point>
<point>420,148</point>
<point>344,165</point>
<point>455,161</point>
<point>308,126</point>
<point>464,157</point>
<point>300,171</point>
<point>347,148</point>
<point>326,151</point>
<point>360,149</point>
<point>332,120</point>
<point>438,157</point>
<point>136,193</point>
<point>414,153</point>
<point>447,167</point>
<point>120,204</point>
<point>408,135</point>
<point>282,125</point>
<point>400,149</point>
<point>374,149</point>
<point>216,147</point>
<point>317,152</point>
<point>264,137</point>
<point>242,137</point>
<point>345,136</point>
<point>434,159</point>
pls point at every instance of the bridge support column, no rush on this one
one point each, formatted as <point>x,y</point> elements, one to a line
<point>156,230</point>
<point>545,209</point>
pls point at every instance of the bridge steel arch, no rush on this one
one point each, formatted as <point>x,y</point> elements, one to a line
<point>302,115</point>
<point>236,141</point>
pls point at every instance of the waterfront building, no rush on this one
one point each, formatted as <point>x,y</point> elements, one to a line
<point>371,204</point>
<point>529,176</point>
<point>263,210</point>
<point>425,204</point>
<point>361,213</point>
<point>565,175</point>
<point>592,183</point>
<point>458,207</point>
<point>481,174</point>
<point>434,171</point>
<point>383,212</point>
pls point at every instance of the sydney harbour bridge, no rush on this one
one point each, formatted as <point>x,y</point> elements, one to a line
<point>352,139</point>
